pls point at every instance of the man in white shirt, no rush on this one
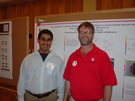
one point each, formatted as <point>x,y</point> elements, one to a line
<point>41,73</point>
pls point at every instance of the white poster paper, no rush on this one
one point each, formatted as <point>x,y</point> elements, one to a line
<point>6,50</point>
<point>115,36</point>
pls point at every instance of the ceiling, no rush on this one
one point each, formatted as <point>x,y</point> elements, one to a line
<point>13,2</point>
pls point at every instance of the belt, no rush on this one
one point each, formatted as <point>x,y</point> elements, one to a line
<point>41,95</point>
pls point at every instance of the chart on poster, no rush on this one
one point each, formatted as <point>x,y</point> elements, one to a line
<point>115,36</point>
<point>6,49</point>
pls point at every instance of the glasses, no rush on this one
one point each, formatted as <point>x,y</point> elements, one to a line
<point>87,32</point>
<point>48,40</point>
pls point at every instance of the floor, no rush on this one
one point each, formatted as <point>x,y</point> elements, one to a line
<point>7,94</point>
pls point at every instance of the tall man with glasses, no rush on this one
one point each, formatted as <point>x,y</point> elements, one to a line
<point>41,73</point>
<point>89,73</point>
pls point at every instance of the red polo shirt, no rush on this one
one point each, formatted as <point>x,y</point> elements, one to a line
<point>89,74</point>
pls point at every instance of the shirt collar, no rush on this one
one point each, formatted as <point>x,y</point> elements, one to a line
<point>93,51</point>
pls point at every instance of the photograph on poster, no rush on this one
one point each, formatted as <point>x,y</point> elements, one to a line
<point>130,68</point>
<point>112,60</point>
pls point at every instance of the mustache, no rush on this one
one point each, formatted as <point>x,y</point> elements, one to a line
<point>84,37</point>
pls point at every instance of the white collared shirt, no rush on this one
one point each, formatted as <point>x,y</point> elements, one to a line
<point>40,77</point>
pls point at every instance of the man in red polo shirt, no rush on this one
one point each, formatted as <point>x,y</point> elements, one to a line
<point>89,73</point>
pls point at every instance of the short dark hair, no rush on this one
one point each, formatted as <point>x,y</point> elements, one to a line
<point>86,24</point>
<point>45,31</point>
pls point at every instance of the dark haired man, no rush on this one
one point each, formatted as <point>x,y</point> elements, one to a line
<point>89,73</point>
<point>41,73</point>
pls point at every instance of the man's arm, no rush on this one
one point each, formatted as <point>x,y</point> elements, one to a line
<point>107,93</point>
<point>67,90</point>
<point>21,82</point>
<point>60,80</point>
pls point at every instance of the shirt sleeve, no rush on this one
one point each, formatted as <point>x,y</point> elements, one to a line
<point>107,72</point>
<point>67,71</point>
<point>60,80</point>
<point>21,82</point>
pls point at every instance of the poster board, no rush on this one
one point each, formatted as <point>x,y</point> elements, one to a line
<point>49,21</point>
<point>20,46</point>
<point>6,49</point>
<point>105,14</point>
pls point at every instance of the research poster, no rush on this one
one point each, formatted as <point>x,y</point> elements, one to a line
<point>6,50</point>
<point>115,36</point>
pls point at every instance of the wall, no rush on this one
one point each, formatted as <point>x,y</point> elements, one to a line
<point>115,4</point>
<point>38,8</point>
<point>49,7</point>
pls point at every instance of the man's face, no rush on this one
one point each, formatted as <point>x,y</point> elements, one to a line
<point>85,36</point>
<point>45,43</point>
